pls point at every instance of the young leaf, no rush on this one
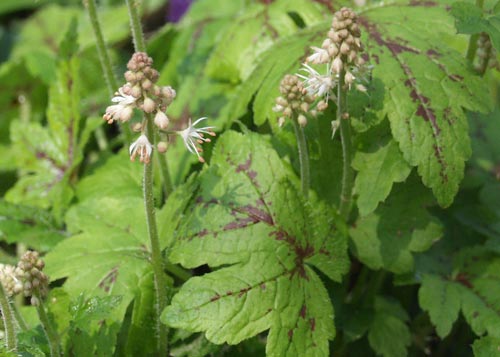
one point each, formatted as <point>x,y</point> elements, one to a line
<point>28,225</point>
<point>487,346</point>
<point>441,298</point>
<point>399,227</point>
<point>379,164</point>
<point>389,335</point>
<point>428,85</point>
<point>48,156</point>
<point>470,19</point>
<point>475,280</point>
<point>249,218</point>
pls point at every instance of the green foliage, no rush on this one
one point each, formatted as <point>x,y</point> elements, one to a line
<point>251,266</point>
<point>248,200</point>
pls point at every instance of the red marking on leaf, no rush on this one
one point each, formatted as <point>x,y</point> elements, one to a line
<point>229,293</point>
<point>263,286</point>
<point>260,202</point>
<point>433,54</point>
<point>439,156</point>
<point>312,322</point>
<point>240,223</point>
<point>108,281</point>
<point>301,253</point>
<point>202,233</point>
<point>324,252</point>
<point>256,213</point>
<point>290,334</point>
<point>303,311</point>
<point>215,298</point>
<point>463,279</point>
<point>244,291</point>
<point>245,166</point>
<point>456,77</point>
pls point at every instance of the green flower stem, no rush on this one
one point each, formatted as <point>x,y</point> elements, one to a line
<point>20,320</point>
<point>48,328</point>
<point>8,321</point>
<point>103,54</point>
<point>165,173</point>
<point>156,258</point>
<point>135,26</point>
<point>345,136</point>
<point>303,156</point>
<point>472,48</point>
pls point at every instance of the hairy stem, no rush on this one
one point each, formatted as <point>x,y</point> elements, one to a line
<point>135,26</point>
<point>48,328</point>
<point>8,321</point>
<point>303,156</point>
<point>472,48</point>
<point>345,136</point>
<point>107,68</point>
<point>20,320</point>
<point>156,258</point>
<point>165,173</point>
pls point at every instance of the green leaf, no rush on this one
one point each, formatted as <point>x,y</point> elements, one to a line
<point>48,156</point>
<point>441,298</point>
<point>28,225</point>
<point>427,86</point>
<point>486,347</point>
<point>379,164</point>
<point>110,235</point>
<point>470,19</point>
<point>264,81</point>
<point>250,219</point>
<point>117,178</point>
<point>389,335</point>
<point>251,34</point>
<point>475,280</point>
<point>399,227</point>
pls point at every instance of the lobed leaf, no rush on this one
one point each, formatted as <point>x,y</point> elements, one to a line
<point>401,226</point>
<point>379,163</point>
<point>249,218</point>
<point>473,285</point>
<point>428,85</point>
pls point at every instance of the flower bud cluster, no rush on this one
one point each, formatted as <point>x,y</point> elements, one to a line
<point>341,52</point>
<point>486,53</point>
<point>142,92</point>
<point>35,282</point>
<point>10,278</point>
<point>294,100</point>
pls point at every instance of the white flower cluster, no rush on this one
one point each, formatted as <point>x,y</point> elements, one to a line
<point>340,52</point>
<point>141,92</point>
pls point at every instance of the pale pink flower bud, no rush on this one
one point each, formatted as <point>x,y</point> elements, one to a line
<point>149,105</point>
<point>161,120</point>
<point>302,120</point>
<point>337,65</point>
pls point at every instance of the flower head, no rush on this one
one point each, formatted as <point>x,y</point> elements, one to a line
<point>194,137</point>
<point>141,147</point>
<point>317,85</point>
<point>319,56</point>
<point>123,110</point>
<point>10,278</point>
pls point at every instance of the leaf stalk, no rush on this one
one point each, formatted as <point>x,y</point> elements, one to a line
<point>303,157</point>
<point>48,328</point>
<point>345,136</point>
